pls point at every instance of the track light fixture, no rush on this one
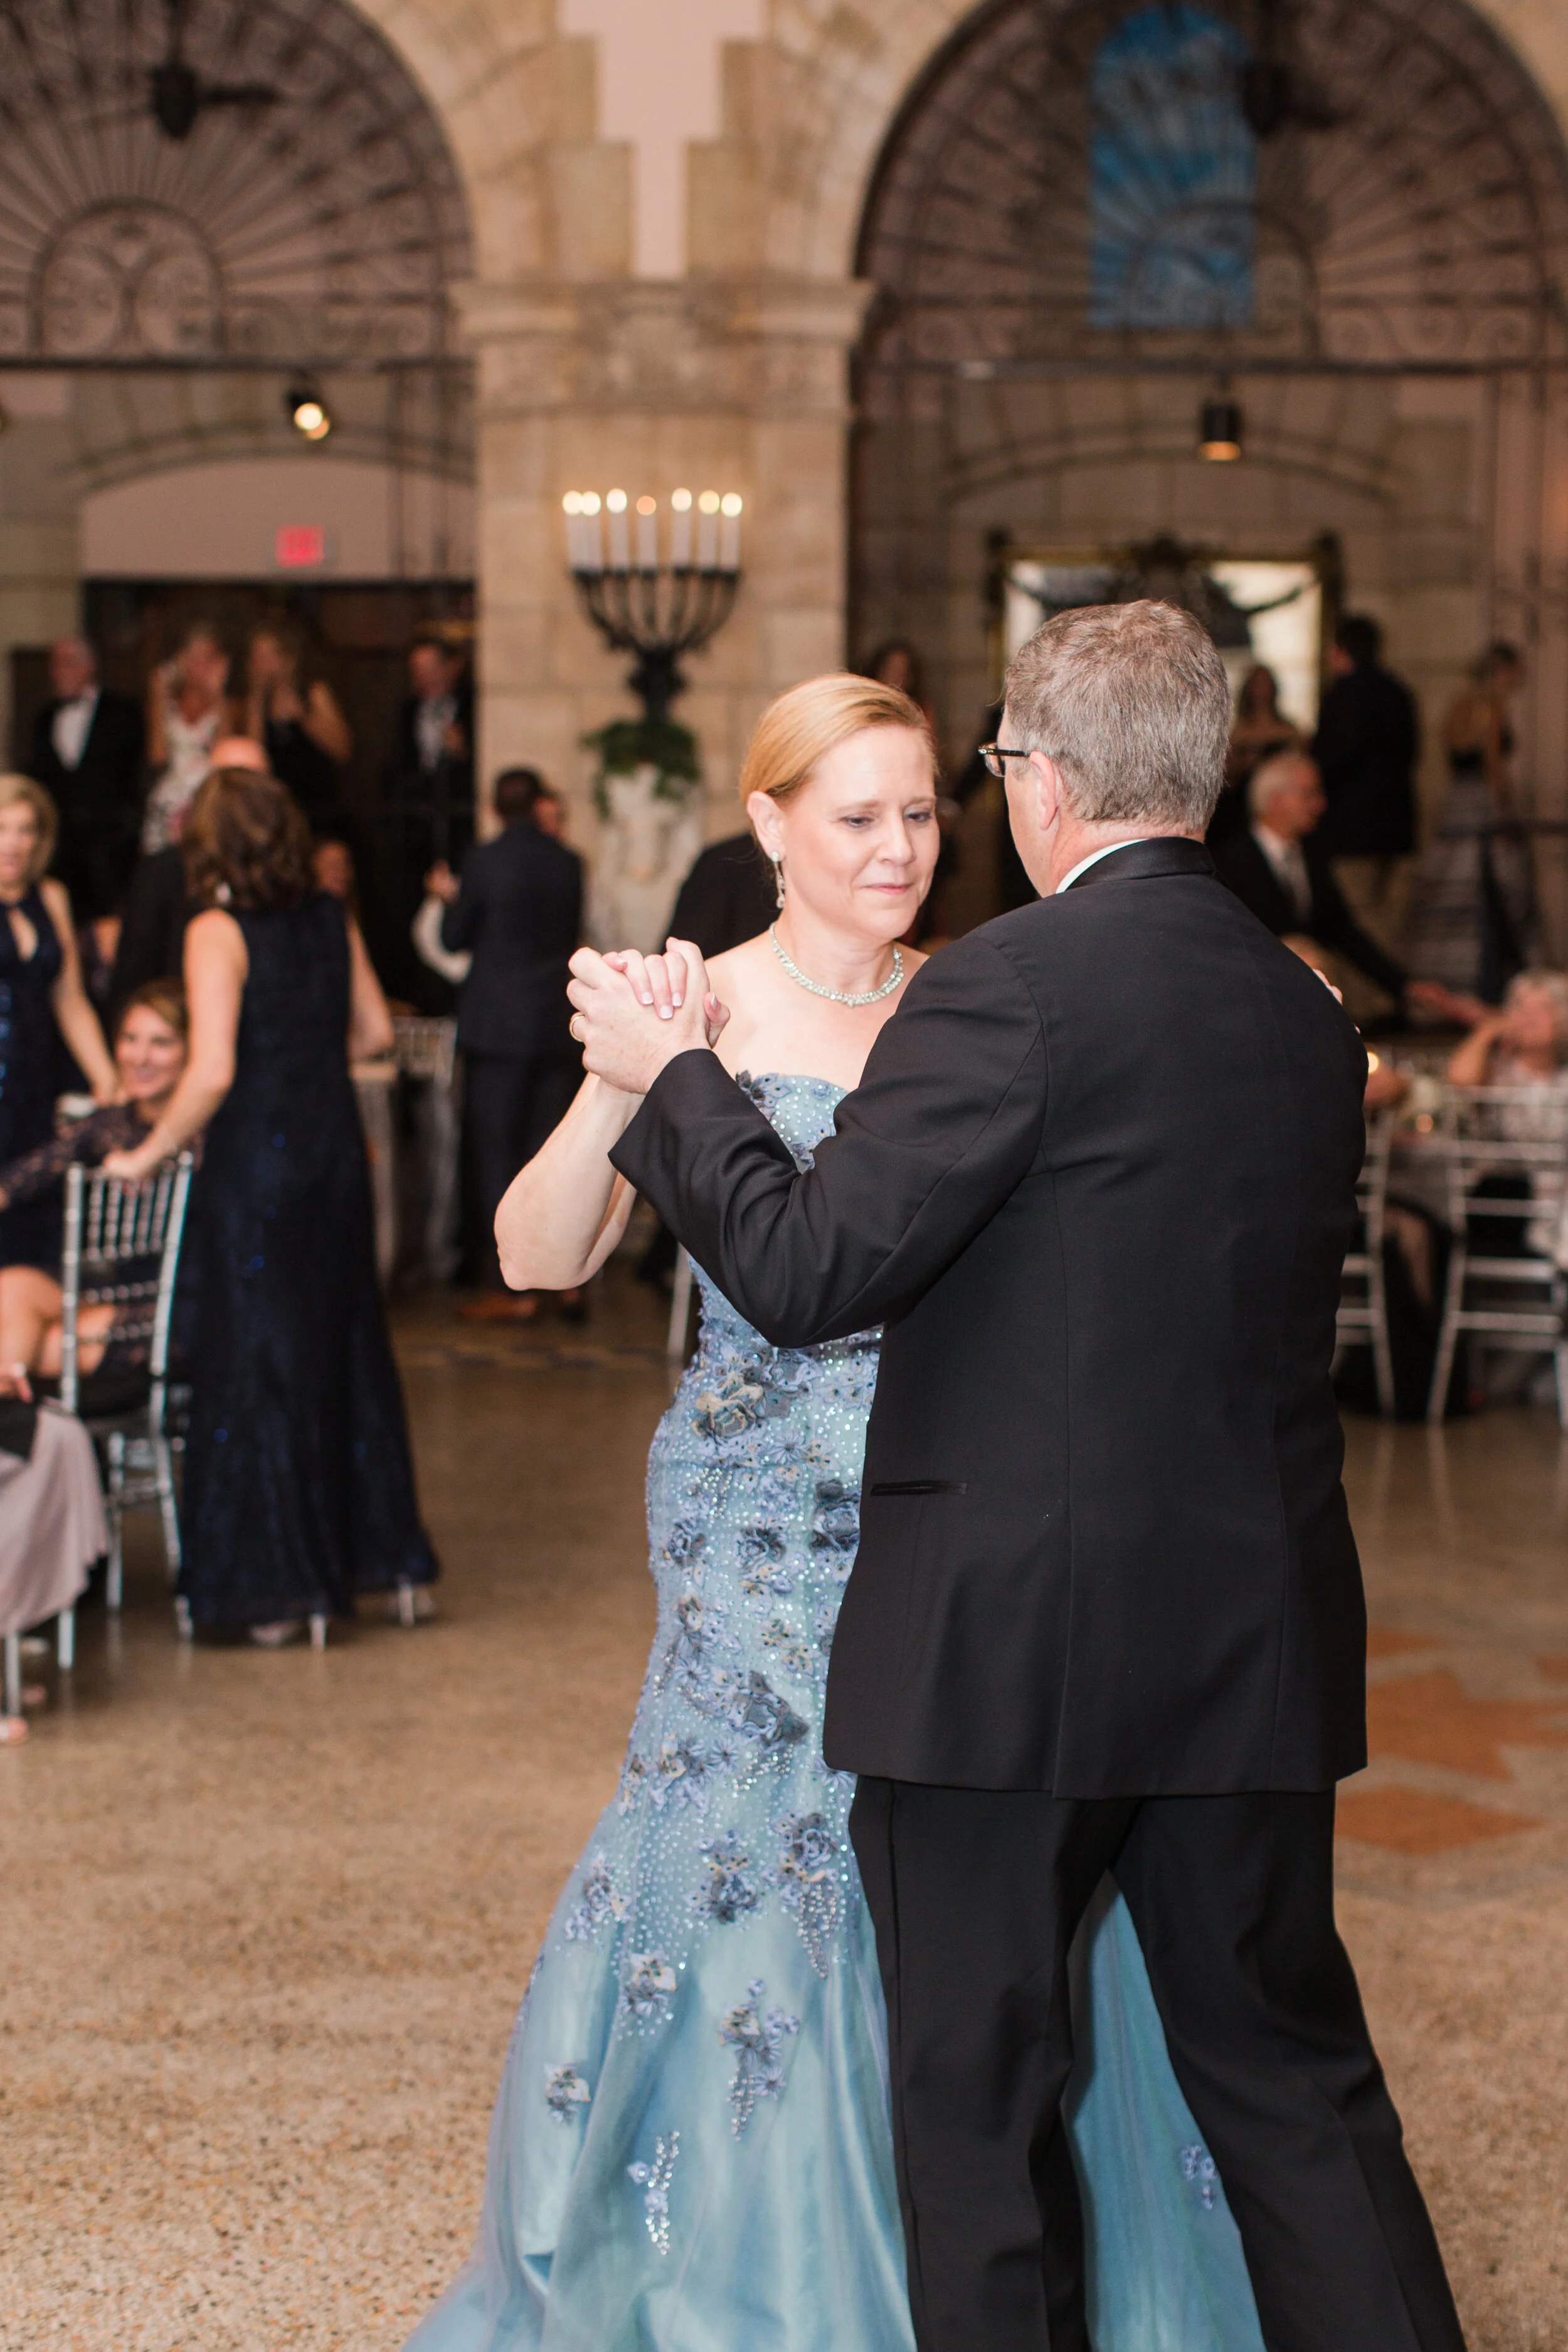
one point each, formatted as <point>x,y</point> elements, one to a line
<point>306,409</point>
<point>1219,430</point>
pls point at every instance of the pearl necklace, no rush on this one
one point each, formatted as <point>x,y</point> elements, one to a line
<point>840,995</point>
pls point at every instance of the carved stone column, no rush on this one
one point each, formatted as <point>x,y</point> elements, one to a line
<point>726,385</point>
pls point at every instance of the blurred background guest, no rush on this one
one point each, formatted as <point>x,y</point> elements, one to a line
<point>333,863</point>
<point>158,903</point>
<point>519,912</point>
<point>298,1485</point>
<point>42,1003</point>
<point>52,1525</point>
<point>1365,747</point>
<point>430,793</point>
<point>189,708</point>
<point>1471,912</point>
<point>296,721</point>
<point>729,895</point>
<point>86,752</point>
<point>1258,730</point>
<point>1280,869</point>
<point>149,1060</point>
<point>897,663</point>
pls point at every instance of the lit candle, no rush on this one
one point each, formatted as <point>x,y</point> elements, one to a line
<point>572,506</point>
<point>593,533</point>
<point>647,534</point>
<point>681,530</point>
<point>620,536</point>
<point>708,530</point>
<point>730,533</point>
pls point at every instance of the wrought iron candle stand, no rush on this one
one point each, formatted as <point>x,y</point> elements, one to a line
<point>658,611</point>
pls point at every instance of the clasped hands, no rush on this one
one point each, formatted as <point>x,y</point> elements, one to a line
<point>633,1013</point>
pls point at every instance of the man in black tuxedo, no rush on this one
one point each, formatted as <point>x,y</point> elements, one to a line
<point>87,752</point>
<point>1369,734</point>
<point>429,809</point>
<point>519,911</point>
<point>1097,1184</point>
<point>1280,870</point>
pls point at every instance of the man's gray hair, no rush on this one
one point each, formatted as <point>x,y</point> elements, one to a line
<point>1133,703</point>
<point>1270,775</point>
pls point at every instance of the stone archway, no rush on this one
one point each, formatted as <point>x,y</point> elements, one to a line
<point>1399,345</point>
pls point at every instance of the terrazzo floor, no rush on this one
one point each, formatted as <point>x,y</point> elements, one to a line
<point>265,1918</point>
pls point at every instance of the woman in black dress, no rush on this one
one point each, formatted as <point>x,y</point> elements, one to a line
<point>41,1000</point>
<point>298,722</point>
<point>299,1485</point>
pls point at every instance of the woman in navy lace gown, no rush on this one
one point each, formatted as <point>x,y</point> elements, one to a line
<point>41,1000</point>
<point>299,1484</point>
<point>691,2149</point>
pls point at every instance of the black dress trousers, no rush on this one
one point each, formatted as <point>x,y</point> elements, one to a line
<point>976,1895</point>
<point>511,1102</point>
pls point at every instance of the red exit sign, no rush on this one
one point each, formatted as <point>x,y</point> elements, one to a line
<point>300,547</point>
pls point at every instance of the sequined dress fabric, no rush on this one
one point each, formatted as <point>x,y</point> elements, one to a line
<point>29,1233</point>
<point>299,1483</point>
<point>691,2150</point>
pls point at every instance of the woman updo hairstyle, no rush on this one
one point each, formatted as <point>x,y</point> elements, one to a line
<point>804,725</point>
<point>247,845</point>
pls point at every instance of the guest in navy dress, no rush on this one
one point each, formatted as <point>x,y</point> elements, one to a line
<point>299,1485</point>
<point>42,999</point>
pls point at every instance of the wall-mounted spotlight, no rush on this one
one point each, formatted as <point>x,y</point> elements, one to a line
<point>1219,430</point>
<point>305,407</point>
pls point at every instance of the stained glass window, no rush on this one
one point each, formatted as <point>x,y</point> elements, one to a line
<point>1173,174</point>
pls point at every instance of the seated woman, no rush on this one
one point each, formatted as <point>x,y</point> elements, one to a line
<point>148,1056</point>
<point>1523,1044</point>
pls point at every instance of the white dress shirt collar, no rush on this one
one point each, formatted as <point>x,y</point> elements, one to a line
<point>1093,860</point>
<point>71,726</point>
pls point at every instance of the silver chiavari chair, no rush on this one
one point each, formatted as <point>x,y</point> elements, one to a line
<point>122,1247</point>
<point>1362,1319</point>
<point>1508,1299</point>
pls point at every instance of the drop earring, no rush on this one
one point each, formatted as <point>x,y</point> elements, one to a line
<point>778,877</point>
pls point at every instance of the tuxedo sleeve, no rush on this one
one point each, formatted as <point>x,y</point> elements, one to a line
<point>944,1126</point>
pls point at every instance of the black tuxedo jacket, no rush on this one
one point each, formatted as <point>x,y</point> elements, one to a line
<point>1097,1182</point>
<point>520,912</point>
<point>98,800</point>
<point>1367,744</point>
<point>1242,867</point>
<point>729,895</point>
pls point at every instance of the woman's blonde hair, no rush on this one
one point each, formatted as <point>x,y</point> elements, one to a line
<point>45,814</point>
<point>1553,985</point>
<point>811,720</point>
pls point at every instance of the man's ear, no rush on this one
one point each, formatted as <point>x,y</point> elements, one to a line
<point>1047,786</point>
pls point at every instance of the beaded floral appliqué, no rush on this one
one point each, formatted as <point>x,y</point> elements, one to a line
<point>758,2041</point>
<point>1199,2166</point>
<point>649,1985</point>
<point>564,2092</point>
<point>730,1889</point>
<point>654,2180</point>
<point>808,1881</point>
<point>599,1904</point>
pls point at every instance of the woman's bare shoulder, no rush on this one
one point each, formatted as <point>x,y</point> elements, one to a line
<point>57,898</point>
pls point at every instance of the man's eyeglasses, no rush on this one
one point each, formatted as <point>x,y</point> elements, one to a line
<point>996,755</point>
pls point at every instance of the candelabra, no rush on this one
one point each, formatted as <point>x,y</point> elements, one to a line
<point>656,610</point>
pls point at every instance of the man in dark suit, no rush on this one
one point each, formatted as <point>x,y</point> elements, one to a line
<point>430,810</point>
<point>1280,869</point>
<point>86,752</point>
<point>1097,1184</point>
<point>519,912</point>
<point>1367,739</point>
<point>730,896</point>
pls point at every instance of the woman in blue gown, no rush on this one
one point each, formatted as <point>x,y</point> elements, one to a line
<point>691,2149</point>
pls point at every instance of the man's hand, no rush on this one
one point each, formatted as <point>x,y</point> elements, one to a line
<point>442,882</point>
<point>633,1015</point>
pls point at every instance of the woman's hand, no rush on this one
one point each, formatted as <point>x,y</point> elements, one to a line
<point>661,981</point>
<point>133,1167</point>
